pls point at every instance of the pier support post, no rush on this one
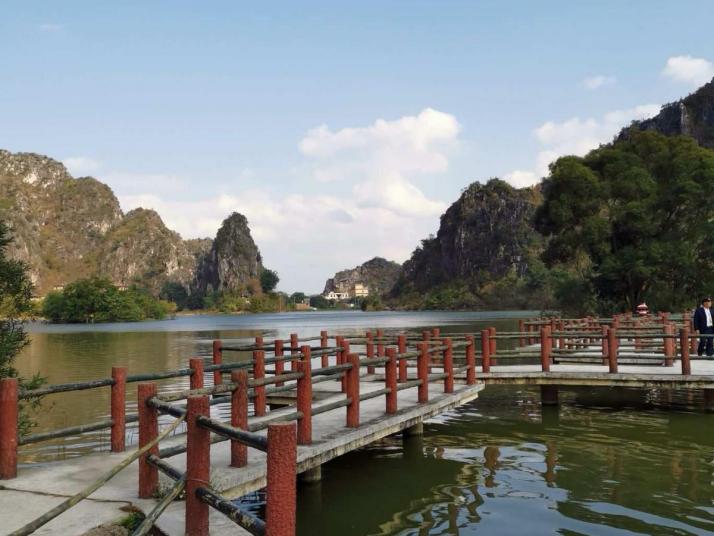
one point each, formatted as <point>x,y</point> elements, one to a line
<point>198,465</point>
<point>549,395</point>
<point>8,427</point>
<point>239,416</point>
<point>304,398</point>
<point>401,349</point>
<point>281,493</point>
<point>414,430</point>
<point>390,380</point>
<point>709,399</point>
<point>196,378</point>
<point>118,408</point>
<point>217,360</point>
<point>259,402</point>
<point>311,476</point>
<point>148,431</point>
<point>352,386</point>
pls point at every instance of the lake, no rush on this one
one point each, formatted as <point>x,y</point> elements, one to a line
<point>607,461</point>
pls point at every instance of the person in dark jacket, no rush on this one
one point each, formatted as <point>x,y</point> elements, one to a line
<point>704,325</point>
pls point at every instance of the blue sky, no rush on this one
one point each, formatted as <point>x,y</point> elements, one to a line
<point>341,130</point>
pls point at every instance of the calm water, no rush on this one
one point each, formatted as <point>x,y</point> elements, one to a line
<point>608,461</point>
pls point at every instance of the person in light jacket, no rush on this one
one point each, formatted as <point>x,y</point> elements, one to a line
<point>704,325</point>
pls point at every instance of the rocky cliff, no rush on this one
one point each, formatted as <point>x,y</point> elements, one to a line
<point>378,274</point>
<point>485,237</point>
<point>233,263</point>
<point>66,228</point>
<point>691,116</point>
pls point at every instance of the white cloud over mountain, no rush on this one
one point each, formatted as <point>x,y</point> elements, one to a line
<point>373,208</point>
<point>576,136</point>
<point>688,70</point>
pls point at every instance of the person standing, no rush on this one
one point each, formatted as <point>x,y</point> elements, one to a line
<point>704,325</point>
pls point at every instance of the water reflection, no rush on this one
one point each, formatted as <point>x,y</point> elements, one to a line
<point>629,469</point>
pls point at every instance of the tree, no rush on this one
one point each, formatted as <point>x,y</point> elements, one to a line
<point>174,291</point>
<point>15,303</point>
<point>268,280</point>
<point>632,221</point>
<point>297,297</point>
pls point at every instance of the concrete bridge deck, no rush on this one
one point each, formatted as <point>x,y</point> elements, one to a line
<point>39,488</point>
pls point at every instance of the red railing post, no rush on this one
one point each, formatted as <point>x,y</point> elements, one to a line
<point>670,346</point>
<point>9,414</point>
<point>380,343</point>
<point>294,349</point>
<point>344,359</point>
<point>423,372</point>
<point>402,349</point>
<point>370,351</point>
<point>279,363</point>
<point>280,510</point>
<point>684,348</point>
<point>426,336</point>
<point>390,380</point>
<point>118,406</point>
<point>521,330</point>
<point>217,360</point>
<point>196,378</point>
<point>352,392</point>
<point>612,349</point>
<point>545,348</point>
<point>148,431</point>
<point>239,416</point>
<point>325,361</point>
<point>492,341</point>
<point>448,357</point>
<point>259,401</point>
<point>486,350</point>
<point>304,398</point>
<point>604,345</point>
<point>198,465</point>
<point>470,360</point>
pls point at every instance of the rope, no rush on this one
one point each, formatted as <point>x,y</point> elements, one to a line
<point>94,486</point>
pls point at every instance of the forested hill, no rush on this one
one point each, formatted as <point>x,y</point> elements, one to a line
<point>691,116</point>
<point>606,234</point>
<point>66,229</point>
<point>483,255</point>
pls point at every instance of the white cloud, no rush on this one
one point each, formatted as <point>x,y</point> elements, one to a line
<point>576,136</point>
<point>81,165</point>
<point>50,27</point>
<point>686,69</point>
<point>382,159</point>
<point>596,82</point>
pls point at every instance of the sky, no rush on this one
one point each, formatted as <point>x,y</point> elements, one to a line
<point>341,130</point>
